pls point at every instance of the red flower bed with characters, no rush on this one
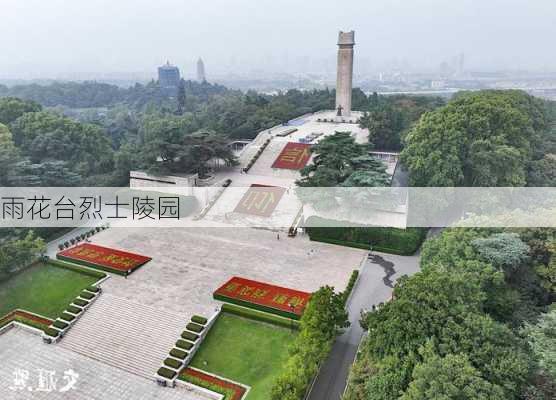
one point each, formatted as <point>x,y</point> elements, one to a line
<point>293,156</point>
<point>211,381</point>
<point>104,258</point>
<point>262,296</point>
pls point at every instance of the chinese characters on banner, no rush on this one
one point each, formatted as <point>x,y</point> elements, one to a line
<point>90,254</point>
<point>275,297</point>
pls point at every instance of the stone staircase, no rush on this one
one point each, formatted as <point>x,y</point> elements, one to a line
<point>125,335</point>
<point>263,166</point>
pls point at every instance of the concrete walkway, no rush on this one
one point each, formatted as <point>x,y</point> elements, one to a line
<point>375,285</point>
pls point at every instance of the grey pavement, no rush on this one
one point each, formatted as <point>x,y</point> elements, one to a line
<point>375,284</point>
<point>23,353</point>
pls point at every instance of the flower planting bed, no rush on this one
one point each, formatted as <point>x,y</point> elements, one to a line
<point>27,318</point>
<point>264,297</point>
<point>230,390</point>
<point>104,258</point>
<point>293,156</point>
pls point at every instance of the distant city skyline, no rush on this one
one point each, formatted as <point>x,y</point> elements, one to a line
<point>61,39</point>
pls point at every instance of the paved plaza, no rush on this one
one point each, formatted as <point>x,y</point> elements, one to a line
<point>24,351</point>
<point>189,264</point>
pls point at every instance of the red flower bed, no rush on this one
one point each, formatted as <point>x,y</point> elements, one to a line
<point>103,257</point>
<point>239,391</point>
<point>293,156</point>
<point>24,314</point>
<point>275,299</point>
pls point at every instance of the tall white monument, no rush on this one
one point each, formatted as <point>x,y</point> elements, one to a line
<point>346,41</point>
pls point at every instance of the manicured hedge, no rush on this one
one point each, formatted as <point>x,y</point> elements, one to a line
<point>74,310</point>
<point>52,332</point>
<point>189,336</point>
<point>254,306</point>
<point>170,362</point>
<point>260,316</point>
<point>67,317</point>
<point>388,240</point>
<point>73,267</point>
<point>199,320</point>
<point>183,344</point>
<point>179,354</point>
<point>166,373</point>
<point>93,289</point>
<point>192,326</point>
<point>80,302</point>
<point>92,265</point>
<point>87,295</point>
<point>60,324</point>
<point>351,284</point>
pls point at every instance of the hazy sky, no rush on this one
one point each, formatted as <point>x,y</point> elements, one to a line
<point>60,38</point>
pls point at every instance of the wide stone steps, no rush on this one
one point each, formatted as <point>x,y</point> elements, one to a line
<point>124,334</point>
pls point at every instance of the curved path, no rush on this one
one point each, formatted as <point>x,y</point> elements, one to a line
<point>375,284</point>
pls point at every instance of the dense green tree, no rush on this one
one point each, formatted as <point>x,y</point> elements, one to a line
<point>17,254</point>
<point>339,160</point>
<point>389,117</point>
<point>450,377</point>
<point>12,108</point>
<point>542,338</point>
<point>542,172</point>
<point>479,139</point>
<point>503,250</point>
<point>9,154</point>
<point>322,320</point>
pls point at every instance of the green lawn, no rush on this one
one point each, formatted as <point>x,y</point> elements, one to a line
<point>43,289</point>
<point>245,351</point>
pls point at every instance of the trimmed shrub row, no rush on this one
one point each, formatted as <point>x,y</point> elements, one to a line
<point>199,320</point>
<point>67,317</point>
<point>73,309</point>
<point>173,363</point>
<point>166,373</point>
<point>350,285</point>
<point>51,332</point>
<point>81,237</point>
<point>181,354</point>
<point>389,240</point>
<point>192,326</point>
<point>254,306</point>
<point>93,289</point>
<point>86,295</point>
<point>257,155</point>
<point>260,316</point>
<point>60,324</point>
<point>184,344</point>
<point>77,268</point>
<point>80,302</point>
<point>189,336</point>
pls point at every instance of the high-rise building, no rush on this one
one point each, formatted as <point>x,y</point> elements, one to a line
<point>344,80</point>
<point>168,76</point>
<point>201,76</point>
